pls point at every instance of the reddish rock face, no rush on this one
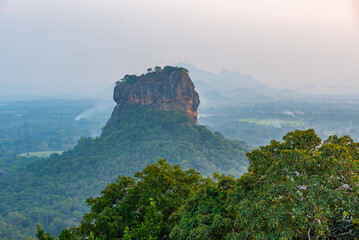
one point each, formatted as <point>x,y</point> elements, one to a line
<point>163,90</point>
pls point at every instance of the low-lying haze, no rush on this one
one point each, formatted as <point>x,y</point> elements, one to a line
<point>67,47</point>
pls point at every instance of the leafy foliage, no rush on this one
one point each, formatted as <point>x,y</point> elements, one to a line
<point>131,79</point>
<point>42,235</point>
<point>299,188</point>
<point>149,228</point>
<point>52,191</point>
<point>128,79</point>
<point>140,207</point>
<point>205,214</point>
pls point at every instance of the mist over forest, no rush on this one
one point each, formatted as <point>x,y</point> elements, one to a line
<point>174,120</point>
<point>55,133</point>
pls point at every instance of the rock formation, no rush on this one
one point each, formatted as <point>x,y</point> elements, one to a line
<point>168,89</point>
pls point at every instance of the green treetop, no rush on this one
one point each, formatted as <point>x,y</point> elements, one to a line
<point>300,188</point>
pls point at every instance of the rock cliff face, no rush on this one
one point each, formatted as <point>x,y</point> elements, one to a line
<point>169,89</point>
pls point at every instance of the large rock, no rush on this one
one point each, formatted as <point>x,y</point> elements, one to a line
<point>169,89</point>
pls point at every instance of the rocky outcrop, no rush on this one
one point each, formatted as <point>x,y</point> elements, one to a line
<point>169,89</point>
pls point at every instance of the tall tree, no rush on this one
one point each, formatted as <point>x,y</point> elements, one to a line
<point>134,207</point>
<point>300,189</point>
<point>158,69</point>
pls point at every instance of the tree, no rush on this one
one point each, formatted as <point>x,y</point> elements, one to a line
<point>42,235</point>
<point>149,228</point>
<point>129,79</point>
<point>158,69</point>
<point>149,70</point>
<point>66,235</point>
<point>205,215</point>
<point>300,189</point>
<point>134,207</point>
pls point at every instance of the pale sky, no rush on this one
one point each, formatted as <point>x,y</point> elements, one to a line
<point>68,46</point>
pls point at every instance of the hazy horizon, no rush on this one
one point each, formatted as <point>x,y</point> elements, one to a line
<point>69,47</point>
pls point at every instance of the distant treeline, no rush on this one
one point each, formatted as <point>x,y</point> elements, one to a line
<point>32,126</point>
<point>132,78</point>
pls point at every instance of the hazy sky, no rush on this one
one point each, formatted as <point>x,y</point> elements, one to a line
<point>71,46</point>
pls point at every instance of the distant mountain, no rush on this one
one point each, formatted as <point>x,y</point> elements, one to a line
<point>215,98</point>
<point>236,88</point>
<point>229,88</point>
<point>225,80</point>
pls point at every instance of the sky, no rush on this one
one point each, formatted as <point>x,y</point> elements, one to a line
<point>50,47</point>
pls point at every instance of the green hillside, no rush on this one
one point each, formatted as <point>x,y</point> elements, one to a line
<point>52,191</point>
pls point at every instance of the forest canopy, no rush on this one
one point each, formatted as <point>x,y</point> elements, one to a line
<point>301,188</point>
<point>52,191</point>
